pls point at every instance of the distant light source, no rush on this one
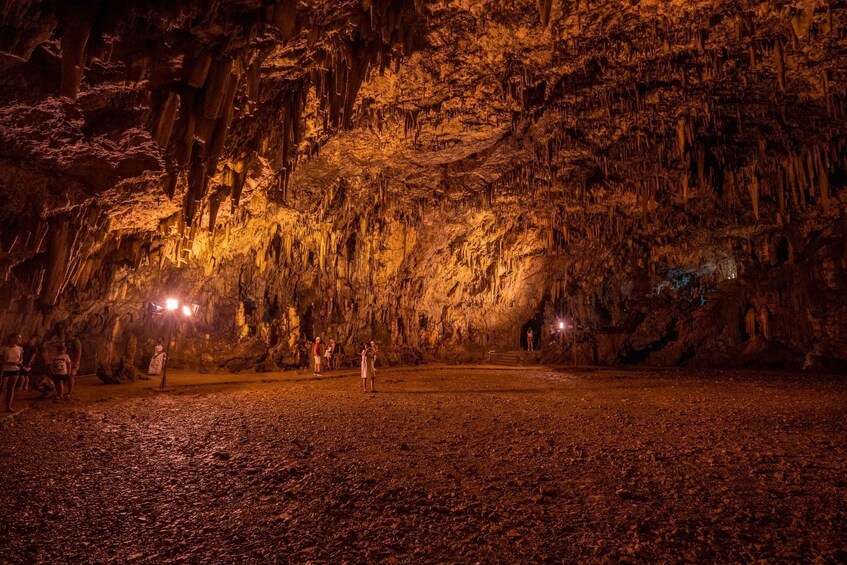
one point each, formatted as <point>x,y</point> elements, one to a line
<point>172,304</point>
<point>187,310</point>
<point>562,326</point>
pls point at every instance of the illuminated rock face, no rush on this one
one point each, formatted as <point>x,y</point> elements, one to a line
<point>434,175</point>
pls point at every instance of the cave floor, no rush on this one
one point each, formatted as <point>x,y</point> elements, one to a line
<point>447,464</point>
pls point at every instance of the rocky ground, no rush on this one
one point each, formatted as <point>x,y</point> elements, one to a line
<point>458,465</point>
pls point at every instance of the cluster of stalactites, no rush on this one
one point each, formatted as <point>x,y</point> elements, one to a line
<point>338,70</point>
<point>197,95</point>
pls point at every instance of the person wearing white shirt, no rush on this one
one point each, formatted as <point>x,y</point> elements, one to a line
<point>12,357</point>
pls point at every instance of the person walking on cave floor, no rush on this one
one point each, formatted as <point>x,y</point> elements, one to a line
<point>60,370</point>
<point>74,350</point>
<point>12,357</point>
<point>368,370</point>
<point>30,355</point>
<point>157,361</point>
<point>530,340</point>
<point>316,351</point>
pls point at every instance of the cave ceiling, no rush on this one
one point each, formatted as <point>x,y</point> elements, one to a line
<point>449,98</point>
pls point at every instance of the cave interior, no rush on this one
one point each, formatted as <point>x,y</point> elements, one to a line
<point>665,179</point>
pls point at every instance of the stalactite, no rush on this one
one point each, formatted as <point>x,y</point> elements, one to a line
<point>283,15</point>
<point>184,138</point>
<point>74,39</point>
<point>216,87</point>
<point>197,69</point>
<point>198,181</point>
<point>780,64</point>
<point>214,206</point>
<point>222,126</point>
<point>164,115</point>
<point>753,186</point>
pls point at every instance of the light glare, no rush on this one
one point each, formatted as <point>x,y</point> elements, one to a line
<point>171,304</point>
<point>187,310</point>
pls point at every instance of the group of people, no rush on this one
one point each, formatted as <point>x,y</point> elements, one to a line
<point>332,355</point>
<point>49,368</point>
<point>52,367</point>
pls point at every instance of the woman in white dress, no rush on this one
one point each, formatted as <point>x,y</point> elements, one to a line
<point>368,371</point>
<point>157,362</point>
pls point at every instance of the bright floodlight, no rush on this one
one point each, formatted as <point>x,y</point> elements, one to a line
<point>172,304</point>
<point>561,325</point>
<point>187,310</point>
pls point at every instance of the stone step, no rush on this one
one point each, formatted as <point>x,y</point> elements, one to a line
<point>514,358</point>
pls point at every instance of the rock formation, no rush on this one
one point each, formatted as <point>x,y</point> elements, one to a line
<point>435,174</point>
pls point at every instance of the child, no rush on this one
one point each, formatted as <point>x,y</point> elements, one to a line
<point>60,368</point>
<point>329,353</point>
<point>12,357</point>
<point>45,387</point>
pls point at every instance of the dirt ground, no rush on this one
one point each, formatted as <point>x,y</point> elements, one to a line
<point>442,465</point>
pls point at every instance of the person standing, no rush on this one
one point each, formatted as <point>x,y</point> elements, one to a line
<point>74,350</point>
<point>375,348</point>
<point>30,355</point>
<point>12,357</point>
<point>316,352</point>
<point>60,370</point>
<point>302,354</point>
<point>329,354</point>
<point>368,371</point>
<point>157,361</point>
<point>530,340</point>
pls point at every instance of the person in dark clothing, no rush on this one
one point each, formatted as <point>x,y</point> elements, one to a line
<point>31,351</point>
<point>74,349</point>
<point>302,354</point>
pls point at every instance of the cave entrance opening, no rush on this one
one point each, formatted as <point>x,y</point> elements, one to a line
<point>536,323</point>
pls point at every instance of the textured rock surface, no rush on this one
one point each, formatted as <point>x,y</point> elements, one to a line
<point>458,466</point>
<point>433,174</point>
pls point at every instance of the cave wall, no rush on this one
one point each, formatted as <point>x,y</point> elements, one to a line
<point>432,175</point>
